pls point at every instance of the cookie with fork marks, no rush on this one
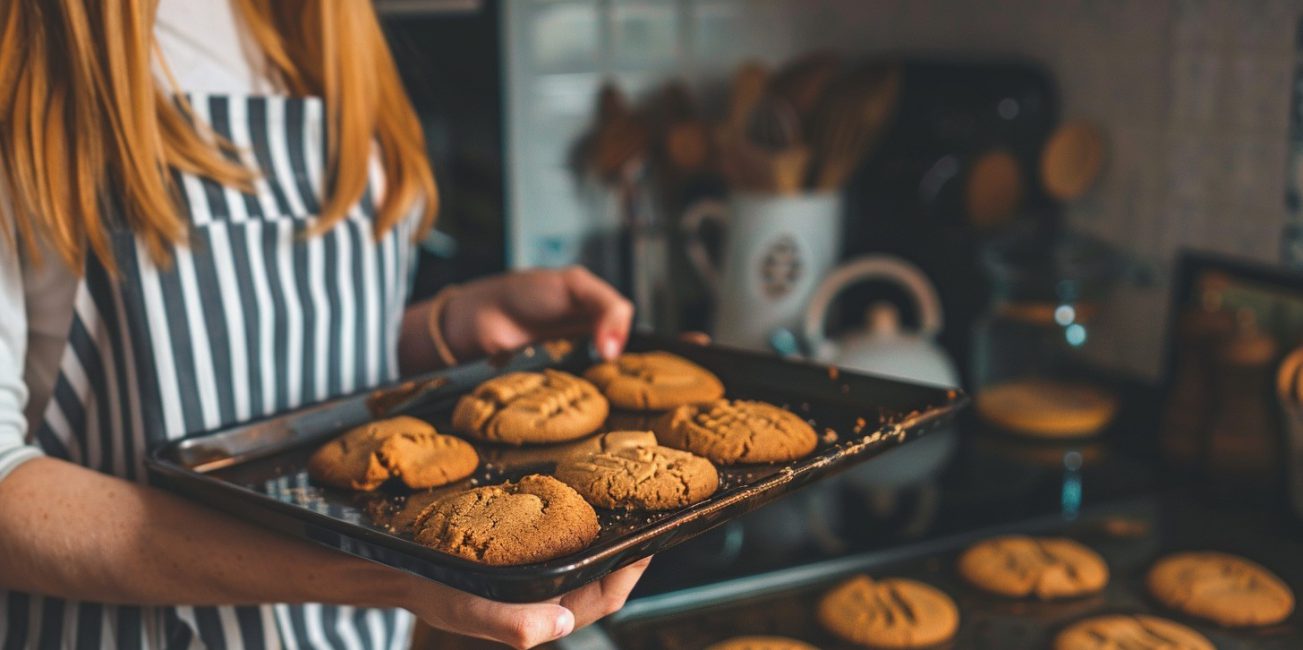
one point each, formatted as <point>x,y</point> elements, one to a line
<point>1047,568</point>
<point>654,381</point>
<point>1126,631</point>
<point>531,408</point>
<point>1226,589</point>
<point>737,431</point>
<point>646,477</point>
<point>889,613</point>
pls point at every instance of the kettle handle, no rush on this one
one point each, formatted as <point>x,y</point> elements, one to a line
<point>884,267</point>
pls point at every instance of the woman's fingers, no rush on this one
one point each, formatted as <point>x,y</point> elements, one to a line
<point>612,314</point>
<point>606,596</point>
<point>526,625</point>
<point>519,626</point>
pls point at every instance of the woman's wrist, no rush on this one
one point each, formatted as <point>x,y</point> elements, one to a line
<point>376,585</point>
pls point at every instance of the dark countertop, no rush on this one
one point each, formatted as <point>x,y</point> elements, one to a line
<point>1130,535</point>
<point>990,479</point>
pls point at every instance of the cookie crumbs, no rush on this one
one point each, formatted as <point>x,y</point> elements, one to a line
<point>1123,527</point>
<point>558,349</point>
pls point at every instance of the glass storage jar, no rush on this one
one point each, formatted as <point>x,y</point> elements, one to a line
<point>1047,291</point>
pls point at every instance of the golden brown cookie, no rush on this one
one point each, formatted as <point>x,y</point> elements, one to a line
<point>890,613</point>
<point>1119,631</point>
<point>1043,567</point>
<point>536,519</point>
<point>654,381</point>
<point>1044,408</point>
<point>737,431</point>
<point>1225,589</point>
<point>761,643</point>
<point>649,477</point>
<point>531,407</point>
<point>403,447</point>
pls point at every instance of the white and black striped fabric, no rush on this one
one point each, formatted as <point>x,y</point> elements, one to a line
<point>252,318</point>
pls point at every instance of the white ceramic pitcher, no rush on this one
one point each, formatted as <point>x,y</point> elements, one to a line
<point>776,250</point>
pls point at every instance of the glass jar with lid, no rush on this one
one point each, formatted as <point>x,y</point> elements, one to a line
<point>1047,292</point>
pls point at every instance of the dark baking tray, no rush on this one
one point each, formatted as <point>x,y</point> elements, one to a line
<point>257,471</point>
<point>1129,535</point>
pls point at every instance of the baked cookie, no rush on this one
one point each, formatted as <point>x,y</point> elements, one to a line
<point>1046,409</point>
<point>403,447</point>
<point>531,407</point>
<point>654,381</point>
<point>761,643</point>
<point>1044,567</point>
<point>737,431</point>
<point>533,520</point>
<point>648,477</point>
<point>891,613</point>
<point>1225,589</point>
<point>1125,631</point>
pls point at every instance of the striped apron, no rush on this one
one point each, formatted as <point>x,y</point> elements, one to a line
<point>251,319</point>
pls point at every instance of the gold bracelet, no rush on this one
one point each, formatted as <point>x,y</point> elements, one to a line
<point>434,316</point>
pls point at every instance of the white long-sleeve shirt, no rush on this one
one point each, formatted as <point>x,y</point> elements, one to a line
<point>207,51</point>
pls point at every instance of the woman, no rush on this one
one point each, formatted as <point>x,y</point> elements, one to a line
<point>209,209</point>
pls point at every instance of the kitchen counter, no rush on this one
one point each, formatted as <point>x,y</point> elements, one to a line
<point>991,479</point>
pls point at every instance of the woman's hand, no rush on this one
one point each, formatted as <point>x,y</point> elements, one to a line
<point>504,312</point>
<point>507,311</point>
<point>522,626</point>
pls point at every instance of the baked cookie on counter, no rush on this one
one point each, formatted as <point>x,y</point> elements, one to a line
<point>1116,631</point>
<point>402,448</point>
<point>1018,566</point>
<point>654,381</point>
<point>1226,589</point>
<point>530,408</point>
<point>889,613</point>
<point>737,431</point>
<point>533,520</point>
<point>1042,408</point>
<point>646,477</point>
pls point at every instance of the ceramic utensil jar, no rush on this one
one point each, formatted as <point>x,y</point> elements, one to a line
<point>776,249</point>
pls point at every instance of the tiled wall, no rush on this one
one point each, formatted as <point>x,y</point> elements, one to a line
<point>1194,96</point>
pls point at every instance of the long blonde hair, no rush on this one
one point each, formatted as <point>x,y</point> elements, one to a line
<point>88,119</point>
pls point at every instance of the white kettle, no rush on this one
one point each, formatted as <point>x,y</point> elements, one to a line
<point>882,347</point>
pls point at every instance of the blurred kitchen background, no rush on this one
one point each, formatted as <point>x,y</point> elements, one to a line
<point>1087,210</point>
<point>1192,101</point>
